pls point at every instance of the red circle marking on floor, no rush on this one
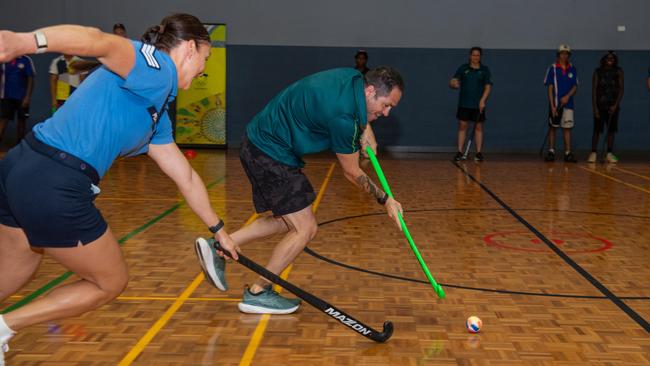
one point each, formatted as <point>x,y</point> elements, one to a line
<point>558,238</point>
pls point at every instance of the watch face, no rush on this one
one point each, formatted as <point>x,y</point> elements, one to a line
<point>41,41</point>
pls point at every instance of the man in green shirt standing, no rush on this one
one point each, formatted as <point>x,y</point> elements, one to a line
<point>475,82</point>
<point>328,110</point>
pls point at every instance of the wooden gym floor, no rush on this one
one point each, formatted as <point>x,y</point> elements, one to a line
<point>588,303</point>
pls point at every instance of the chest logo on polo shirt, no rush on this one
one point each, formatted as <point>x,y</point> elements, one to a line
<point>21,66</point>
<point>570,75</point>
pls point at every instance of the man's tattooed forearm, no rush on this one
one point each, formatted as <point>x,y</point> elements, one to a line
<point>369,186</point>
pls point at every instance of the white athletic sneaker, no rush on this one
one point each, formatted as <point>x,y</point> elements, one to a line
<point>4,348</point>
<point>611,158</point>
<point>592,157</point>
<point>5,335</point>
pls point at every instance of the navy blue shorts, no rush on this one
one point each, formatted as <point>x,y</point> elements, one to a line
<point>49,194</point>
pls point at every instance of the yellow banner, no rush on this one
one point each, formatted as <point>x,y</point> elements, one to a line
<point>201,110</point>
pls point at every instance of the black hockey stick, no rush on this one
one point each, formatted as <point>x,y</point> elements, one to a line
<point>556,121</point>
<point>316,302</point>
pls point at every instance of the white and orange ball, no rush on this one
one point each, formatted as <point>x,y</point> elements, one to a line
<point>474,324</point>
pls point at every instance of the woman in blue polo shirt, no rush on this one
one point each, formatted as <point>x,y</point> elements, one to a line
<point>120,110</point>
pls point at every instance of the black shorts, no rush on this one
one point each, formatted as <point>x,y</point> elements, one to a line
<point>470,114</point>
<point>276,186</point>
<point>10,108</point>
<point>49,194</point>
<point>599,123</point>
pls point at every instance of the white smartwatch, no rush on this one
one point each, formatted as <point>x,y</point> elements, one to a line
<point>41,42</point>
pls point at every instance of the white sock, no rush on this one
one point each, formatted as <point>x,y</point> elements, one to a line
<point>5,331</point>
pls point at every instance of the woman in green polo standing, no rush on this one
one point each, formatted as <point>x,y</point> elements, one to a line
<point>475,82</point>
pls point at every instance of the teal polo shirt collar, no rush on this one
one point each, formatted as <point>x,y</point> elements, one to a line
<point>361,116</point>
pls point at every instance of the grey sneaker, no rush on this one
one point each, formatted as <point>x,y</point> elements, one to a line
<point>214,267</point>
<point>267,302</point>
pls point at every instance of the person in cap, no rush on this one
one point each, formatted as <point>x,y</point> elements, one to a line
<point>562,83</point>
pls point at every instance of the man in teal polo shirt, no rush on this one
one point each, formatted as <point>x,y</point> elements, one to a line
<point>328,110</point>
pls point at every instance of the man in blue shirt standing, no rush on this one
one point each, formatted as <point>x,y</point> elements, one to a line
<point>17,83</point>
<point>562,83</point>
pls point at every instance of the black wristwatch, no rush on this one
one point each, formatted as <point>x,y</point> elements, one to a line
<point>214,229</point>
<point>382,201</point>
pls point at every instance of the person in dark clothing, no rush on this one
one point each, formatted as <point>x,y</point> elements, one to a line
<point>607,92</point>
<point>361,61</point>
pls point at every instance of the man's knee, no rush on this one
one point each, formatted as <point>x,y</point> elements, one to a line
<point>307,227</point>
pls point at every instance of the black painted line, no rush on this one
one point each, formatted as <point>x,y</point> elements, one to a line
<point>482,289</point>
<point>483,209</point>
<point>602,288</point>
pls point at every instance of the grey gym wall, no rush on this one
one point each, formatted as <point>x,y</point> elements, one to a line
<point>274,42</point>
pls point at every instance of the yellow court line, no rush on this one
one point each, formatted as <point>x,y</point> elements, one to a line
<point>136,199</point>
<point>632,173</point>
<point>160,323</point>
<point>616,180</point>
<point>258,334</point>
<point>170,298</point>
<point>160,298</point>
<point>226,299</point>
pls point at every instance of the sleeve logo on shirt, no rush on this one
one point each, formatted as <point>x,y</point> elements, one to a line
<point>148,51</point>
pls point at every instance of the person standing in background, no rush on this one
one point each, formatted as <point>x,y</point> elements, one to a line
<point>606,91</point>
<point>17,84</point>
<point>562,83</point>
<point>64,79</point>
<point>361,61</point>
<point>119,30</point>
<point>475,83</point>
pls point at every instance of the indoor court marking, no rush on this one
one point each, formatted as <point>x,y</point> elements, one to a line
<point>534,306</point>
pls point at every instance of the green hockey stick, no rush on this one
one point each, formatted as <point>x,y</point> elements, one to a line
<point>436,287</point>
